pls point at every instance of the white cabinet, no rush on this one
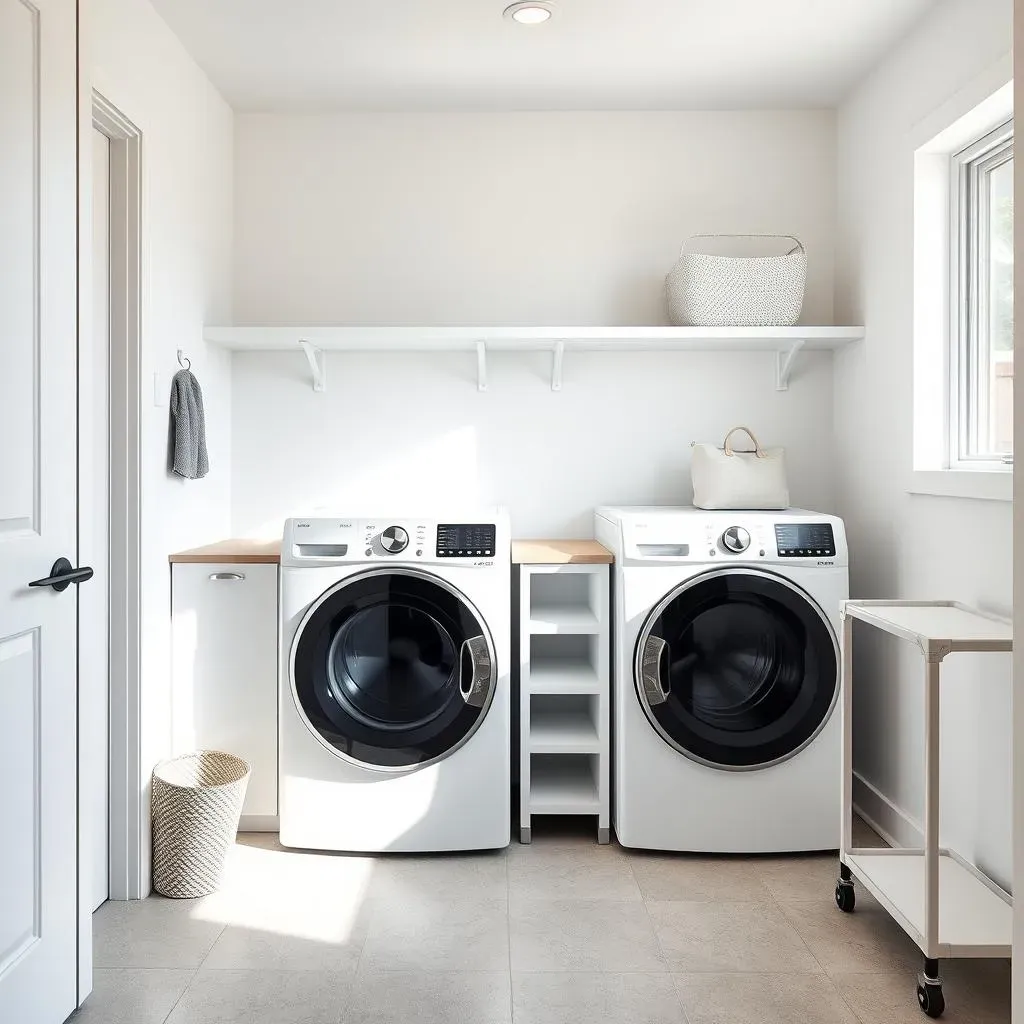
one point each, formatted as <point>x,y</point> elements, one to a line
<point>224,672</point>
<point>564,662</point>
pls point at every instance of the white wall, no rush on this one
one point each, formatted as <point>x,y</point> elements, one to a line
<point>504,219</point>
<point>903,545</point>
<point>137,63</point>
<point>1017,1001</point>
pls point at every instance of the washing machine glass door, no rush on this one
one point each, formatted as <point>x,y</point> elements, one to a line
<point>737,669</point>
<point>393,669</point>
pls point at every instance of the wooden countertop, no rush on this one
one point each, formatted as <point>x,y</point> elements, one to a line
<point>536,552</point>
<point>560,552</point>
<point>232,552</point>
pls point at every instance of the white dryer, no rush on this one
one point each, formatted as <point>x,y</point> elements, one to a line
<point>394,684</point>
<point>726,678</point>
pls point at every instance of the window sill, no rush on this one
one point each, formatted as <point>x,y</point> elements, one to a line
<point>977,484</point>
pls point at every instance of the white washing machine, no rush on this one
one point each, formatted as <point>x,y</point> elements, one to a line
<point>394,684</point>
<point>726,678</point>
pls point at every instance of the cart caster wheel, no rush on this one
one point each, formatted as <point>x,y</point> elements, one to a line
<point>846,896</point>
<point>931,999</point>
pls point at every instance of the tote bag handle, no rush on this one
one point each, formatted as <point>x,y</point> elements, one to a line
<point>730,451</point>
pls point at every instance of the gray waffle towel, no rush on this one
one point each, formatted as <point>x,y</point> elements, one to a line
<point>189,422</point>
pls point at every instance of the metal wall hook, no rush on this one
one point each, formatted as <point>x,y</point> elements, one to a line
<point>183,361</point>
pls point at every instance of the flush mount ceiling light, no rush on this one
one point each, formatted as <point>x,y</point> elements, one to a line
<point>529,13</point>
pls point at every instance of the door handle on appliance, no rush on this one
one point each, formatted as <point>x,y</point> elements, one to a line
<point>475,655</point>
<point>655,691</point>
<point>62,575</point>
<point>233,577</point>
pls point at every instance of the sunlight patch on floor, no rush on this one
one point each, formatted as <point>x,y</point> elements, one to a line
<point>307,896</point>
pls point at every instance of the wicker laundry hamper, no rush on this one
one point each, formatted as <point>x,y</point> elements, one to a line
<point>197,801</point>
<point>708,290</point>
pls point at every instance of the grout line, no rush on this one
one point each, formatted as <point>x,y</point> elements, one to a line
<point>184,992</point>
<point>671,974</point>
<point>206,955</point>
<point>824,973</point>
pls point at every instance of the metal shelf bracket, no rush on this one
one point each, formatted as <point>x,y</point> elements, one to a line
<point>557,357</point>
<point>481,366</point>
<point>784,365</point>
<point>315,357</point>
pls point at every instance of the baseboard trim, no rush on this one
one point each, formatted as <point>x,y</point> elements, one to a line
<point>891,822</point>
<point>258,823</point>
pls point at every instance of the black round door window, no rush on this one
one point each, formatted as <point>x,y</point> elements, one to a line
<point>737,669</point>
<point>393,669</point>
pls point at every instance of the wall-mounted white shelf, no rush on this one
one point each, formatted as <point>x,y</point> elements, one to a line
<point>564,700</point>
<point>785,342</point>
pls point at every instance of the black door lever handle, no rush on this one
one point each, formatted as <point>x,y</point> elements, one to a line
<point>62,575</point>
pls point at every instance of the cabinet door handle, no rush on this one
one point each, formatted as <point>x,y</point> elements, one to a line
<point>231,577</point>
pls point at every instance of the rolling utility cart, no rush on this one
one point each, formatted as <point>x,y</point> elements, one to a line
<point>947,906</point>
<point>564,670</point>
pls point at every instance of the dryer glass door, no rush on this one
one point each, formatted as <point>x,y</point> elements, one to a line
<point>393,669</point>
<point>737,669</point>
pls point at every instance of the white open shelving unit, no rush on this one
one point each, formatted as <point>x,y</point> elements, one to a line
<point>564,663</point>
<point>945,904</point>
<point>785,342</point>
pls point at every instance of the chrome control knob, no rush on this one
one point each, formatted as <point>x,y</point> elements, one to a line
<point>394,540</point>
<point>735,539</point>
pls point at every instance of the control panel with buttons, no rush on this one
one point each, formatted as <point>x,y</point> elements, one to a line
<point>395,540</point>
<point>466,540</point>
<point>805,540</point>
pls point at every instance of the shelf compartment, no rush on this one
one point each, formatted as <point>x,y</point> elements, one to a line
<point>975,917</point>
<point>554,619</point>
<point>563,664</point>
<point>563,784</point>
<point>563,724</point>
<point>564,602</point>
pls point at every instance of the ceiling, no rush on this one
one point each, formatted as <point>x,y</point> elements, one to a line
<point>592,55</point>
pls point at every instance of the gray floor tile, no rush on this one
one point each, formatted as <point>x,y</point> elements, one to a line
<point>242,948</point>
<point>864,836</point>
<point>583,935</point>
<point>761,999</point>
<point>976,992</point>
<point>437,935</point>
<point>441,876</point>
<point>154,932</point>
<point>593,998</point>
<point>684,876</point>
<point>263,997</point>
<point>132,996</point>
<point>580,871</point>
<point>796,878</point>
<point>720,937</point>
<point>865,942</point>
<point>475,997</point>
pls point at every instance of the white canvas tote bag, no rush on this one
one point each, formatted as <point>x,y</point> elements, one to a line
<point>724,478</point>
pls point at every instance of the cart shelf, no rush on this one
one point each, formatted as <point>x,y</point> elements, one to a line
<point>937,627</point>
<point>947,906</point>
<point>975,915</point>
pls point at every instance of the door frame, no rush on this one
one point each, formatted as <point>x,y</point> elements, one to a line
<point>127,832</point>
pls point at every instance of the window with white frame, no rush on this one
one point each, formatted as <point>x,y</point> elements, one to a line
<point>981,307</point>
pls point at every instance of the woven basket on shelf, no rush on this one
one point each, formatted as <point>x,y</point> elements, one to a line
<point>197,801</point>
<point>706,290</point>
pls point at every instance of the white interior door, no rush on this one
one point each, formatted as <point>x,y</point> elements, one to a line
<point>94,539</point>
<point>38,438</point>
